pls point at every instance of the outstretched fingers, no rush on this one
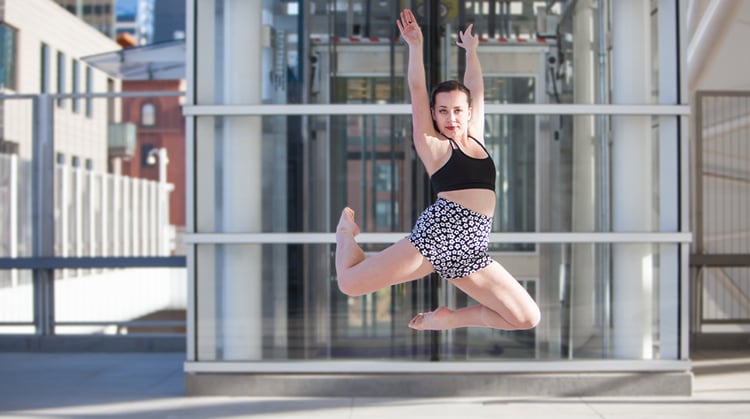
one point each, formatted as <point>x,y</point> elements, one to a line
<point>407,18</point>
<point>407,25</point>
<point>466,39</point>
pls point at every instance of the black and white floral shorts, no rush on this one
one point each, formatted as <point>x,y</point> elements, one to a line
<point>453,238</point>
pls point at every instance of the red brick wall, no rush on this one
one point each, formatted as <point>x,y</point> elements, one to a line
<point>168,131</point>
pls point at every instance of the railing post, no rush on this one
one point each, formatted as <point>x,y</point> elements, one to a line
<point>93,248</point>
<point>62,190</point>
<point>105,222</point>
<point>77,198</point>
<point>43,218</point>
<point>13,219</point>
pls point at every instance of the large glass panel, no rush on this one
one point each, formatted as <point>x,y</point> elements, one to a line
<point>576,37</point>
<point>584,315</point>
<point>354,173</point>
<point>511,140</point>
<point>301,317</point>
<point>556,173</point>
<point>358,160</point>
<point>551,173</point>
<point>376,153</point>
<point>509,19</point>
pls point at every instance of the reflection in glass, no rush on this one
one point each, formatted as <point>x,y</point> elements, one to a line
<point>306,317</point>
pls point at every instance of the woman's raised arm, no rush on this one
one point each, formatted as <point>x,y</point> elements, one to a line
<point>474,81</point>
<point>423,131</point>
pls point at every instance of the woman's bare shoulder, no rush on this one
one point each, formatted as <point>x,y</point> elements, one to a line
<point>432,149</point>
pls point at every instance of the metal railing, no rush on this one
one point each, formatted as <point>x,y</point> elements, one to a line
<point>81,251</point>
<point>720,261</point>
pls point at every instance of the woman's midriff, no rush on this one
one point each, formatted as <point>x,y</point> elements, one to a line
<point>477,200</point>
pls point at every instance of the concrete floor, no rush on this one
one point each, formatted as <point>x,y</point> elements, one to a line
<point>151,385</point>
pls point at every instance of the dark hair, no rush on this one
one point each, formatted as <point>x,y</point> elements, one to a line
<point>449,86</point>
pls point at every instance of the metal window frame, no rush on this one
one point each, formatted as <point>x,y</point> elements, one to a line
<point>538,237</point>
<point>677,110</point>
<point>329,366</point>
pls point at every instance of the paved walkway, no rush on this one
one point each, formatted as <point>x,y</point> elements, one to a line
<point>43,385</point>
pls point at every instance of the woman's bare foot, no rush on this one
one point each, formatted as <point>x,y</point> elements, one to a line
<point>348,252</point>
<point>346,223</point>
<point>433,320</point>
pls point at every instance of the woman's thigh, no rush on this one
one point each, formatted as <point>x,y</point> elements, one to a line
<point>495,288</point>
<point>400,262</point>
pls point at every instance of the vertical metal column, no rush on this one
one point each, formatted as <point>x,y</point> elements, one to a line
<point>669,179</point>
<point>43,218</point>
<point>603,186</point>
<point>632,184</point>
<point>241,176</point>
<point>432,72</point>
<point>583,301</point>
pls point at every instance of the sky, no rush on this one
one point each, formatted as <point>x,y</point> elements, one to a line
<point>126,7</point>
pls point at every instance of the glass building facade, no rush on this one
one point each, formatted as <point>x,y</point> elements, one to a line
<point>296,109</point>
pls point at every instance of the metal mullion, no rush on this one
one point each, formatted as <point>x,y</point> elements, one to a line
<point>405,109</point>
<point>310,238</point>
<point>343,367</point>
<point>143,323</point>
<point>93,262</point>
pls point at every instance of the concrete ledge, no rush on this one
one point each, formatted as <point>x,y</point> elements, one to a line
<point>441,385</point>
<point>92,343</point>
<point>719,341</point>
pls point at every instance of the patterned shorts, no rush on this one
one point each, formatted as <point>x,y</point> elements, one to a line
<point>453,238</point>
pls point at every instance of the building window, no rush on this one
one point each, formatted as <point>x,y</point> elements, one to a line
<point>44,70</point>
<point>60,158</point>
<point>7,57</point>
<point>89,89</point>
<point>148,115</point>
<point>76,80</point>
<point>61,73</point>
<point>76,162</point>
<point>384,212</point>
<point>386,176</point>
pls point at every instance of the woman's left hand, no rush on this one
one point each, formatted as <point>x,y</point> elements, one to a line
<point>467,40</point>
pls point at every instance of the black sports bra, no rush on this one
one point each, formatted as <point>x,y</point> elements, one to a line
<point>464,172</point>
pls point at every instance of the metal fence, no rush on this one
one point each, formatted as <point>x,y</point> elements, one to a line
<point>15,213</point>
<point>101,214</point>
<point>720,262</point>
<point>82,251</point>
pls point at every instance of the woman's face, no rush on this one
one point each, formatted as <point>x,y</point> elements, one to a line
<point>452,113</point>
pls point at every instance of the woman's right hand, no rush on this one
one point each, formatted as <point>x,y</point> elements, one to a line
<point>409,28</point>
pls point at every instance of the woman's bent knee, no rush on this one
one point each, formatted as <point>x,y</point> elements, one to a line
<point>349,286</point>
<point>528,319</point>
